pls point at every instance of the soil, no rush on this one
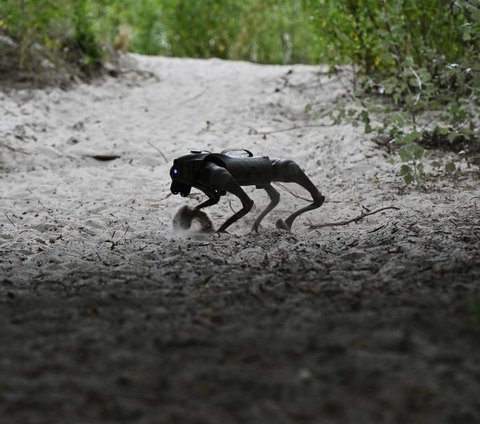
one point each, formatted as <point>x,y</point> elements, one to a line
<point>109,315</point>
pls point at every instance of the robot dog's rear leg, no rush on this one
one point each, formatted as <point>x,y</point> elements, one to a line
<point>289,172</point>
<point>274,199</point>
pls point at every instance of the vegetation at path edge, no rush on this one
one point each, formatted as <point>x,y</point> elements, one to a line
<point>416,64</point>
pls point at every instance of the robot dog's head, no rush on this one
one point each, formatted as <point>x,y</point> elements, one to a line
<point>184,172</point>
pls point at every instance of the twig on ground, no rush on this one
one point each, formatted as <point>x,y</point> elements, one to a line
<point>253,131</point>
<point>377,229</point>
<point>159,151</point>
<point>102,261</point>
<point>197,96</point>
<point>116,243</point>
<point>125,233</point>
<point>349,221</point>
<point>13,149</point>
<point>11,222</point>
<point>325,114</point>
<point>231,207</point>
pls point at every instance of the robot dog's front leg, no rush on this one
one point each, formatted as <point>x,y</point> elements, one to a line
<point>186,215</point>
<point>213,197</point>
<point>219,179</point>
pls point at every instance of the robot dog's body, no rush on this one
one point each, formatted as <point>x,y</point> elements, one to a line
<point>218,173</point>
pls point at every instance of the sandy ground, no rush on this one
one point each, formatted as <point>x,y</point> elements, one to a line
<point>107,315</point>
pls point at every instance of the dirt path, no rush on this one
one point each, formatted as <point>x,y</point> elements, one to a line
<point>107,315</point>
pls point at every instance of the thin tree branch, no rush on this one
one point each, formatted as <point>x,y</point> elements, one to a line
<point>197,96</point>
<point>116,243</point>
<point>159,151</point>
<point>253,131</point>
<point>349,221</point>
<point>11,222</point>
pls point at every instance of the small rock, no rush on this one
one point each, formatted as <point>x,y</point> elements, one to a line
<point>73,140</point>
<point>304,375</point>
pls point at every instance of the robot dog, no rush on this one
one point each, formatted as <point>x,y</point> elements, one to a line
<point>217,174</point>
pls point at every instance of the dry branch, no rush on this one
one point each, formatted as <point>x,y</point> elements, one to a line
<point>159,151</point>
<point>349,221</point>
<point>11,222</point>
<point>253,131</point>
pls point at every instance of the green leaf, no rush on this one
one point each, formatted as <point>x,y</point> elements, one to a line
<point>421,169</point>
<point>443,131</point>
<point>412,137</point>
<point>363,115</point>
<point>405,170</point>
<point>337,120</point>
<point>408,179</point>
<point>452,137</point>
<point>450,167</point>
<point>405,154</point>
<point>418,151</point>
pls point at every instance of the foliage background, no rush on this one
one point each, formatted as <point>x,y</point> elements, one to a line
<point>375,34</point>
<point>411,56</point>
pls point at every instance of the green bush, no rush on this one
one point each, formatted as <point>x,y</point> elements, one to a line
<point>380,35</point>
<point>377,35</point>
<point>265,31</point>
<point>51,28</point>
<point>419,64</point>
<point>262,31</point>
<point>144,17</point>
<point>83,39</point>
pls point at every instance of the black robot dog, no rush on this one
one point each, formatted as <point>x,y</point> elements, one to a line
<point>218,173</point>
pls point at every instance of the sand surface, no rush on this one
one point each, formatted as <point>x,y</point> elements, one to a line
<point>108,315</point>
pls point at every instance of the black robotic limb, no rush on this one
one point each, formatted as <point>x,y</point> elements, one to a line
<point>274,199</point>
<point>289,172</point>
<point>220,179</point>
<point>213,197</point>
